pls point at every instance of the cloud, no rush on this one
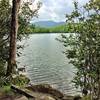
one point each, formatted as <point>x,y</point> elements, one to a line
<point>55,10</point>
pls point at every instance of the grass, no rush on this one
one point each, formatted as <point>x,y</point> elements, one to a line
<point>6,90</point>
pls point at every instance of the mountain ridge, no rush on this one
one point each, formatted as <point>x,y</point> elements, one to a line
<point>47,23</point>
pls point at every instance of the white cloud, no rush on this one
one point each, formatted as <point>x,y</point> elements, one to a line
<point>56,9</point>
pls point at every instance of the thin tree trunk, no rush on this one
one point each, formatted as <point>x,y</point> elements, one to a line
<point>13,36</point>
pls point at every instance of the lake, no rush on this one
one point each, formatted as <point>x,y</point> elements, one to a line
<point>45,62</point>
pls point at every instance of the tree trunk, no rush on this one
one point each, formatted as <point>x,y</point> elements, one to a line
<point>11,68</point>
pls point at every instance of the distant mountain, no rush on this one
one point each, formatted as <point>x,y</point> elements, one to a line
<point>48,23</point>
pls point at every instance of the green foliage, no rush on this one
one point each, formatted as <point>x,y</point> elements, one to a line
<point>4,31</point>
<point>6,89</point>
<point>82,48</point>
<point>40,30</point>
<point>20,80</point>
<point>24,18</point>
<point>88,97</point>
<point>58,29</point>
<point>2,69</point>
<point>4,81</point>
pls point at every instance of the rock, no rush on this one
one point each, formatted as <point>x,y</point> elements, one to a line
<point>7,98</point>
<point>24,92</point>
<point>22,98</point>
<point>46,98</point>
<point>46,88</point>
<point>77,97</point>
<point>1,94</point>
<point>66,97</point>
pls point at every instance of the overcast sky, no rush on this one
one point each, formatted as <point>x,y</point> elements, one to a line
<point>55,10</point>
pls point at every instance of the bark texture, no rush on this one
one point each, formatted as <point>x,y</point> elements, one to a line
<point>13,36</point>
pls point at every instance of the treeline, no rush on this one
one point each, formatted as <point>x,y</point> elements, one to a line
<point>65,28</point>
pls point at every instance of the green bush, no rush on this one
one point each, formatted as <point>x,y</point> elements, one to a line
<point>20,80</point>
<point>4,81</point>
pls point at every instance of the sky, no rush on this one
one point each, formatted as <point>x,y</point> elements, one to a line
<point>55,10</point>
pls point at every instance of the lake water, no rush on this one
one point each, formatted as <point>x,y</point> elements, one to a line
<point>45,62</point>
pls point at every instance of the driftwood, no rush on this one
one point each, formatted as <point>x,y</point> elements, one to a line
<point>23,92</point>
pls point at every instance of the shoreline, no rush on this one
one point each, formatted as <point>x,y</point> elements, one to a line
<point>42,90</point>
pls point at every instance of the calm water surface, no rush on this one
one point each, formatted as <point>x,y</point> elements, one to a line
<point>45,62</point>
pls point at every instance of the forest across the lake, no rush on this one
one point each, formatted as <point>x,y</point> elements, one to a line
<point>63,28</point>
